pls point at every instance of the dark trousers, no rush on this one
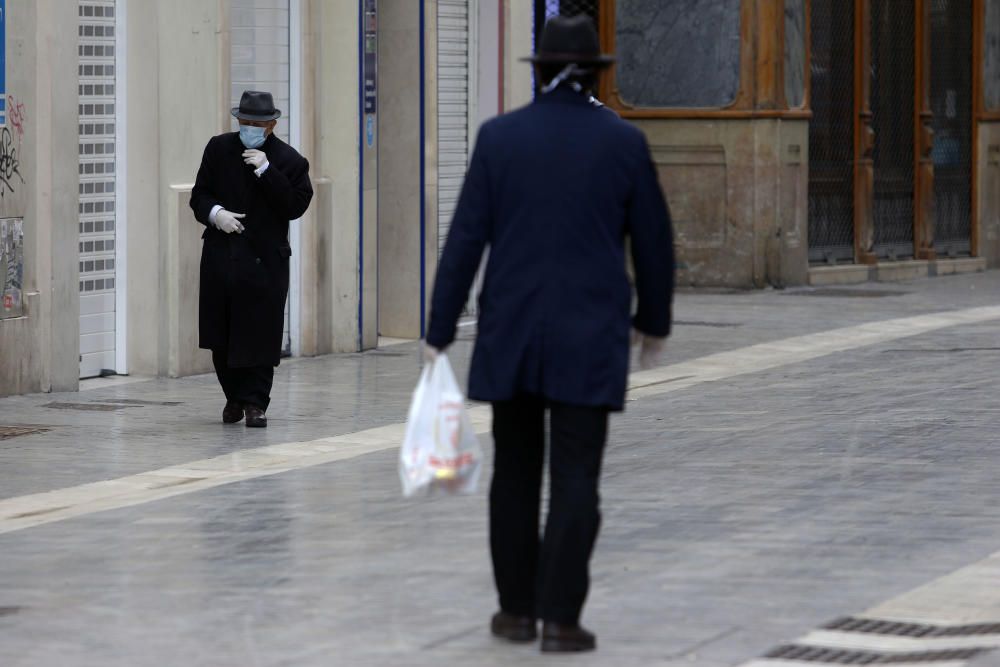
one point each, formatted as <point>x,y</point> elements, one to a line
<point>246,386</point>
<point>547,578</point>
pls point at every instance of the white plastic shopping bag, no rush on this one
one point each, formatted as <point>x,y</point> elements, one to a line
<point>440,449</point>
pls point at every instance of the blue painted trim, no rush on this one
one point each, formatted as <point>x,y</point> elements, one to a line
<point>423,183</point>
<point>361,173</point>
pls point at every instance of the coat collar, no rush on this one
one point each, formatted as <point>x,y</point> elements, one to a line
<point>563,95</point>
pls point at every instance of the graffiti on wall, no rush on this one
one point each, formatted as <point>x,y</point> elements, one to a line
<point>11,267</point>
<point>10,167</point>
<point>15,114</point>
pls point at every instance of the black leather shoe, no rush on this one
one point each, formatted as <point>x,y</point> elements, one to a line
<point>513,628</point>
<point>255,417</point>
<point>232,413</point>
<point>560,638</point>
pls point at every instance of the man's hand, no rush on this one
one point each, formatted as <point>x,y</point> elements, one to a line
<point>430,353</point>
<point>255,158</point>
<point>229,222</point>
<point>650,349</point>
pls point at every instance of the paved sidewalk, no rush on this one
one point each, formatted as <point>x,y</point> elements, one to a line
<point>739,514</point>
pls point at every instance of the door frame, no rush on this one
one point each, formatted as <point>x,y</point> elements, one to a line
<point>121,189</point>
<point>295,137</point>
<point>923,134</point>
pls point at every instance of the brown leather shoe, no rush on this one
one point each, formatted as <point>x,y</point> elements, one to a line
<point>232,413</point>
<point>255,417</point>
<point>561,638</point>
<point>513,628</point>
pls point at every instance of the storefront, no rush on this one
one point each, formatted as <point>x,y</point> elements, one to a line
<point>794,136</point>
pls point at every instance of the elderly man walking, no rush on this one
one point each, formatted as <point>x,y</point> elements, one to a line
<point>250,185</point>
<point>553,190</point>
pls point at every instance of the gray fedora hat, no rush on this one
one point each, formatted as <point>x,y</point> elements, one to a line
<point>256,105</point>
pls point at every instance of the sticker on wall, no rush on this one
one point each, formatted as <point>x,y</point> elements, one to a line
<point>370,63</point>
<point>11,267</point>
<point>370,131</point>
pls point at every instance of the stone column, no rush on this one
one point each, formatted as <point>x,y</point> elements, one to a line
<point>40,348</point>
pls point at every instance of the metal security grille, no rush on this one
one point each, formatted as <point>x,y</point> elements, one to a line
<point>951,102</point>
<point>546,9</point>
<point>97,186</point>
<point>892,101</point>
<point>840,656</point>
<point>260,60</point>
<point>831,133</point>
<point>877,626</point>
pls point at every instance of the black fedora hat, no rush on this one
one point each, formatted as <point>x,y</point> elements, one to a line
<point>256,105</point>
<point>570,39</point>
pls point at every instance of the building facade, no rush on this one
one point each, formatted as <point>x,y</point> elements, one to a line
<point>816,141</point>
<point>109,104</point>
<point>798,141</point>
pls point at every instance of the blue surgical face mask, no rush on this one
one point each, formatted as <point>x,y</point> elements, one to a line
<point>252,136</point>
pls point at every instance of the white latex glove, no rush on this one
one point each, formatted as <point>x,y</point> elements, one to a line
<point>430,353</point>
<point>650,349</point>
<point>255,158</point>
<point>229,222</point>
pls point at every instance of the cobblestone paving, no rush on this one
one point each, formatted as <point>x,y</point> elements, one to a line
<point>737,515</point>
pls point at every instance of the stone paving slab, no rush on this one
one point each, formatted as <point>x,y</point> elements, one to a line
<point>738,515</point>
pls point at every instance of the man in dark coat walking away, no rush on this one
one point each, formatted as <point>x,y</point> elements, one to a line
<point>250,185</point>
<point>553,190</point>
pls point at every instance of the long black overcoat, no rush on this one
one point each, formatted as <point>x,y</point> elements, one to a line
<point>553,190</point>
<point>244,277</point>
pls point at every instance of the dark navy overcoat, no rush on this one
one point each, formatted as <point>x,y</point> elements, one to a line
<point>244,277</point>
<point>553,190</point>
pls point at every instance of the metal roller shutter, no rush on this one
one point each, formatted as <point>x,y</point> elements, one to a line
<point>97,186</point>
<point>453,108</point>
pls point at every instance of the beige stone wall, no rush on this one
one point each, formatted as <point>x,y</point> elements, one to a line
<point>40,351</point>
<point>177,79</point>
<point>330,235</point>
<point>399,169</point>
<point>518,30</point>
<point>737,191</point>
<point>988,193</point>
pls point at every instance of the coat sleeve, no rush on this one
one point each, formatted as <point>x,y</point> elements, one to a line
<point>652,250</point>
<point>288,190</point>
<point>463,251</point>
<point>203,197</point>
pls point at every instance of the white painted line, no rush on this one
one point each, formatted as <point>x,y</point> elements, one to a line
<point>43,508</point>
<point>860,641</point>
<point>967,596</point>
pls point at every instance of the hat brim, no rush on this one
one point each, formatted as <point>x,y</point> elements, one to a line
<point>235,111</point>
<point>565,59</point>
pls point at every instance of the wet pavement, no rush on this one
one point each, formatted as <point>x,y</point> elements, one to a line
<point>740,513</point>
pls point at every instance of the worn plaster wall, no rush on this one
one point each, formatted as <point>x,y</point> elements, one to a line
<point>177,99</point>
<point>737,191</point>
<point>141,181</point>
<point>40,350</point>
<point>334,159</point>
<point>399,169</point>
<point>518,31</point>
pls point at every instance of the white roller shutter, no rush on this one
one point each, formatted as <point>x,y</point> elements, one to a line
<point>97,186</point>
<point>260,60</point>
<point>453,108</point>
